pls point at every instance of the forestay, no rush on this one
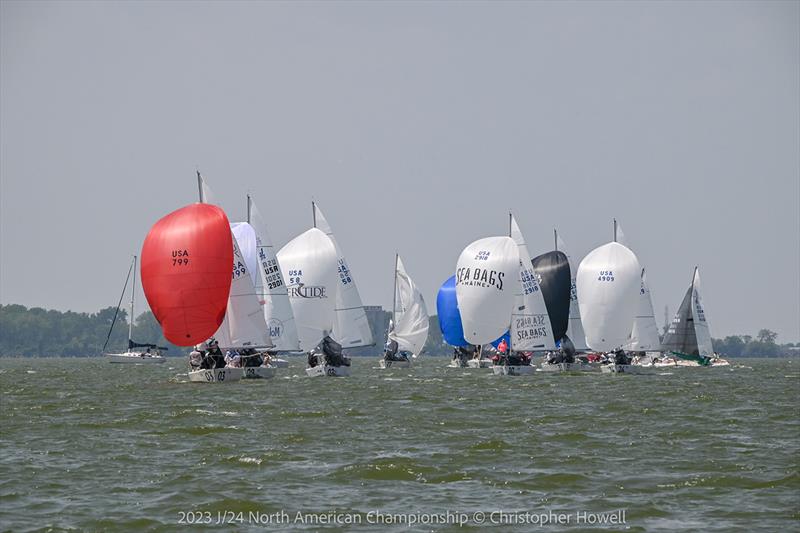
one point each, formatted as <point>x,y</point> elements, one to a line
<point>608,284</point>
<point>351,328</point>
<point>644,335</point>
<point>271,287</point>
<point>410,313</point>
<point>530,324</point>
<point>308,264</point>
<point>486,280</point>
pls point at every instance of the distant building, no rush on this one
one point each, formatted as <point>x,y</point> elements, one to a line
<point>379,325</point>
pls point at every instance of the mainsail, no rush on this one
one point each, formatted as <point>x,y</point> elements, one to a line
<point>608,284</point>
<point>244,324</point>
<point>644,335</point>
<point>308,264</point>
<point>575,328</point>
<point>186,272</point>
<point>688,333</point>
<point>410,313</point>
<point>351,328</point>
<point>486,279</point>
<point>270,286</point>
<point>530,324</point>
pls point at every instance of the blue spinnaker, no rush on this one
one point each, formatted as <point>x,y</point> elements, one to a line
<point>449,315</point>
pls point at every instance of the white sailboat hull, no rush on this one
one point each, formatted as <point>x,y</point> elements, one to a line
<point>395,364</point>
<point>259,372</point>
<point>135,358</point>
<point>627,369</point>
<point>215,375</point>
<point>567,367</point>
<point>328,370</point>
<point>482,363</point>
<point>513,370</point>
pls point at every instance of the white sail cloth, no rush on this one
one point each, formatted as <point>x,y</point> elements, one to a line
<point>487,276</point>
<point>271,287</point>
<point>644,335</point>
<point>410,313</point>
<point>308,264</point>
<point>530,324</point>
<point>608,285</point>
<point>351,328</point>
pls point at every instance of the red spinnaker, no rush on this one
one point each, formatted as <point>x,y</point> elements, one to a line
<point>186,272</point>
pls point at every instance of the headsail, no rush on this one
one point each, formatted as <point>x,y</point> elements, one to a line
<point>351,328</point>
<point>644,336</point>
<point>410,313</point>
<point>271,287</point>
<point>553,273</point>
<point>575,328</point>
<point>530,324</point>
<point>448,314</point>
<point>308,264</point>
<point>486,281</point>
<point>608,284</point>
<point>186,272</point>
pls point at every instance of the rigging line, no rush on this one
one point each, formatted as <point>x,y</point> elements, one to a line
<point>121,296</point>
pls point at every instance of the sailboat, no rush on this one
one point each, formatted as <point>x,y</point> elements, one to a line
<point>487,277</point>
<point>271,288</point>
<point>531,328</point>
<point>243,326</point>
<point>132,355</point>
<point>608,283</point>
<point>186,274</point>
<point>409,329</point>
<point>688,337</point>
<point>324,298</point>
<point>575,328</point>
<point>644,335</point>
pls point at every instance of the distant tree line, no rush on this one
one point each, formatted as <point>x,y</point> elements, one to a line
<point>40,332</point>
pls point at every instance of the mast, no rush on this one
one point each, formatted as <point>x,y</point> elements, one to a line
<point>555,239</point>
<point>394,294</point>
<point>314,212</point>
<point>615,230</point>
<point>133,294</point>
<point>510,217</point>
<point>248,208</point>
<point>200,187</point>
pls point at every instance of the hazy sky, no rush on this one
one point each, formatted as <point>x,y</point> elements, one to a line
<point>416,126</point>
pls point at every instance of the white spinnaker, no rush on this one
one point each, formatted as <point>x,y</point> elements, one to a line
<point>271,288</point>
<point>608,283</point>
<point>410,313</point>
<point>351,328</point>
<point>486,285</point>
<point>575,327</point>
<point>530,324</point>
<point>246,238</point>
<point>244,324</point>
<point>701,330</point>
<point>206,196</point>
<point>308,264</point>
<point>644,335</point>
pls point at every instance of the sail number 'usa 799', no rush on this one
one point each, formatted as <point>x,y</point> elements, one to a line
<point>180,257</point>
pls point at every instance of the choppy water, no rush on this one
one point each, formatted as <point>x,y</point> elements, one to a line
<point>87,445</point>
